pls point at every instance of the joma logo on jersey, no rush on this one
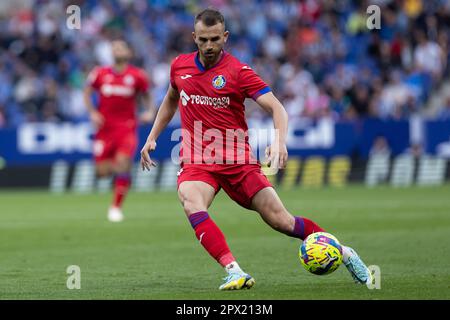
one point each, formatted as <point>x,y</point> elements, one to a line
<point>219,82</point>
<point>215,102</point>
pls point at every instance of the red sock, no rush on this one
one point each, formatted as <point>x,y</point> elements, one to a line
<point>121,185</point>
<point>211,238</point>
<point>304,227</point>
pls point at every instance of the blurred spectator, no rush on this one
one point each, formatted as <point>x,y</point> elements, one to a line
<point>444,113</point>
<point>359,100</point>
<point>416,150</point>
<point>318,56</point>
<point>317,104</point>
<point>429,56</point>
<point>394,95</point>
<point>339,102</point>
<point>2,116</point>
<point>404,110</point>
<point>380,147</point>
<point>274,45</point>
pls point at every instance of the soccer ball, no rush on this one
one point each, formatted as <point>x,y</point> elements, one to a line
<point>321,253</point>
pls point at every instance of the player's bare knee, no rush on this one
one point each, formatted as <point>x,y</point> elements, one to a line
<point>191,207</point>
<point>122,167</point>
<point>102,172</point>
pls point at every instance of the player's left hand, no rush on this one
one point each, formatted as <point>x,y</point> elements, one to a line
<point>277,155</point>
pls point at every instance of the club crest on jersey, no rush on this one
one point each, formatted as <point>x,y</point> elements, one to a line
<point>219,82</point>
<point>128,80</point>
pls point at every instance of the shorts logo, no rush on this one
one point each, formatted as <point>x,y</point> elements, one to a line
<point>219,82</point>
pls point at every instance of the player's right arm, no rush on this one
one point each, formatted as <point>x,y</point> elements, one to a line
<point>95,116</point>
<point>165,114</point>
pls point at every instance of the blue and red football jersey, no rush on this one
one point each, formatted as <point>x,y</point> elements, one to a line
<point>212,105</point>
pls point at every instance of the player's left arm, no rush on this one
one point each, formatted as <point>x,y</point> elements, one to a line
<point>146,98</point>
<point>277,153</point>
<point>150,109</point>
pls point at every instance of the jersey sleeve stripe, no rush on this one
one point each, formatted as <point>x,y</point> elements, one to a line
<point>261,92</point>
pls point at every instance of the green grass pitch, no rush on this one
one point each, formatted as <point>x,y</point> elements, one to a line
<point>153,254</point>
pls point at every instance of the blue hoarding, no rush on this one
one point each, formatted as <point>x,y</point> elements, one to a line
<point>43,143</point>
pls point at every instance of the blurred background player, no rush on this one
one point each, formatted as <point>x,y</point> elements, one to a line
<point>210,86</point>
<point>115,120</point>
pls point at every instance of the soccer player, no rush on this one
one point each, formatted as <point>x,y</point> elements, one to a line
<point>116,140</point>
<point>210,86</point>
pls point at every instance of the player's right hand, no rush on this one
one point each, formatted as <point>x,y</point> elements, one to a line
<point>97,119</point>
<point>146,161</point>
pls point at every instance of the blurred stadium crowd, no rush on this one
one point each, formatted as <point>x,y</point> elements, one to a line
<point>319,57</point>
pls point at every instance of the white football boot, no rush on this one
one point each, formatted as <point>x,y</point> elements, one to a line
<point>115,214</point>
<point>357,268</point>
